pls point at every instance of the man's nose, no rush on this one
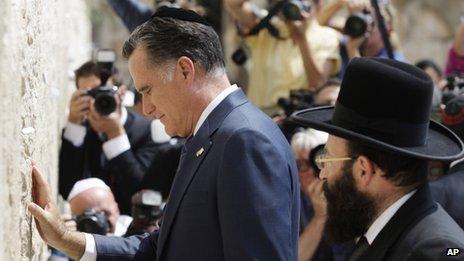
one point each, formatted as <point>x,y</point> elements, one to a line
<point>147,107</point>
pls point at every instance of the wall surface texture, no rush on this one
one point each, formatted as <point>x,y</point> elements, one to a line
<point>41,41</point>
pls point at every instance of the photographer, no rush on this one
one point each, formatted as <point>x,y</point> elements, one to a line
<point>303,55</point>
<point>95,209</point>
<point>116,147</point>
<point>370,43</point>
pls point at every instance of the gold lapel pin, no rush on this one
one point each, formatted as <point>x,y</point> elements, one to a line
<point>200,151</point>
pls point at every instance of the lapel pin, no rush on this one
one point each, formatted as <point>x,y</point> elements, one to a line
<point>200,151</point>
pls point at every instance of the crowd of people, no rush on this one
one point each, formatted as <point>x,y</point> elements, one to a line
<point>328,152</point>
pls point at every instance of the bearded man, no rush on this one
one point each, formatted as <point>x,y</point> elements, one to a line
<point>374,165</point>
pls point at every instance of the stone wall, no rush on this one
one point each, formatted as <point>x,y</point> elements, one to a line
<point>426,27</point>
<point>41,41</point>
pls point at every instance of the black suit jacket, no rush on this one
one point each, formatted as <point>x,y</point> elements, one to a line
<point>419,230</point>
<point>449,192</point>
<point>123,173</point>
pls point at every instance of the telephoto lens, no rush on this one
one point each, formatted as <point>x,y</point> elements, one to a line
<point>356,24</point>
<point>105,102</point>
<point>292,10</point>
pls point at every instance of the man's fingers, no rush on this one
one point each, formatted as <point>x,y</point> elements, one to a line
<point>83,106</point>
<point>319,187</point>
<point>40,190</point>
<point>36,211</point>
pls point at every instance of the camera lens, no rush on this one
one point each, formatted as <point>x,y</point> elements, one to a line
<point>239,57</point>
<point>355,26</point>
<point>292,10</point>
<point>105,103</point>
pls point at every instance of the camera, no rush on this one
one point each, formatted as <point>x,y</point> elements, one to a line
<point>146,206</point>
<point>105,103</point>
<point>298,100</point>
<point>92,221</point>
<point>455,81</point>
<point>147,209</point>
<point>105,59</point>
<point>292,9</point>
<point>357,23</point>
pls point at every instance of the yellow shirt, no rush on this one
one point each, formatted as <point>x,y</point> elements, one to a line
<point>275,66</point>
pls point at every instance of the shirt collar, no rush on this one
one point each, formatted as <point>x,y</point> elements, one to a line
<point>212,105</point>
<point>383,219</point>
<point>123,115</point>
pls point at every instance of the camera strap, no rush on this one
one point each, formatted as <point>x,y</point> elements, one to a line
<point>265,22</point>
<point>383,29</point>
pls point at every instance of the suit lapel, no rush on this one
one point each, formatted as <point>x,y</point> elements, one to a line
<point>196,149</point>
<point>417,207</point>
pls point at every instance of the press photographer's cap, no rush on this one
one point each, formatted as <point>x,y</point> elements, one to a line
<point>86,184</point>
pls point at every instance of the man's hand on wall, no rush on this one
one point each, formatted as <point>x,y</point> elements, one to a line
<point>79,107</point>
<point>110,125</point>
<point>48,221</point>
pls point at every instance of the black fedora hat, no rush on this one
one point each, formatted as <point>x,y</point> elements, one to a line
<point>386,104</point>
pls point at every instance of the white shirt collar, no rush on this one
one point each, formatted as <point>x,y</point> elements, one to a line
<point>383,219</point>
<point>123,115</point>
<point>212,105</point>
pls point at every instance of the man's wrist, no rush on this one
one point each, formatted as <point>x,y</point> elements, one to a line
<point>72,244</point>
<point>115,133</point>
<point>75,120</point>
<point>320,217</point>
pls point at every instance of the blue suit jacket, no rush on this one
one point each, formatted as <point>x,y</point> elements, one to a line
<point>235,195</point>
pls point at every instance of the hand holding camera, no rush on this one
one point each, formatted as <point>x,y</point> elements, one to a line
<point>108,122</point>
<point>79,107</point>
<point>299,27</point>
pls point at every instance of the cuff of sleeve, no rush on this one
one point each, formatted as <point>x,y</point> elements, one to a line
<point>116,146</point>
<point>90,253</point>
<point>74,133</point>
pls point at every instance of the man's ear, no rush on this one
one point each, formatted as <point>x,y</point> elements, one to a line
<point>186,69</point>
<point>364,170</point>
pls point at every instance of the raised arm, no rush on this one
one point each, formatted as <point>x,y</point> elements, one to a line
<point>242,12</point>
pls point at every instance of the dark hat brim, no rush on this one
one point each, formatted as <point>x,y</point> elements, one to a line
<point>441,144</point>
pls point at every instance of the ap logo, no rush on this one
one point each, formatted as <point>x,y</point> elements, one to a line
<point>452,252</point>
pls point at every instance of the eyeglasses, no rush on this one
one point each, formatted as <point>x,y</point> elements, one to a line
<point>321,159</point>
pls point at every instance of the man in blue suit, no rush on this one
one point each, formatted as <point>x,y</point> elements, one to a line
<point>235,195</point>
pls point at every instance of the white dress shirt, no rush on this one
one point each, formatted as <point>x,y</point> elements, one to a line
<point>383,219</point>
<point>212,105</point>
<point>90,253</point>
<point>75,134</point>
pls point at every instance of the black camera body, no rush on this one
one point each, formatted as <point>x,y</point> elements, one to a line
<point>146,212</point>
<point>356,25</point>
<point>292,9</point>
<point>146,206</point>
<point>105,101</point>
<point>92,221</point>
<point>455,81</point>
<point>298,100</point>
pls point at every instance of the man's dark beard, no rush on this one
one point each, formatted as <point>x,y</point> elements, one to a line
<point>349,211</point>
